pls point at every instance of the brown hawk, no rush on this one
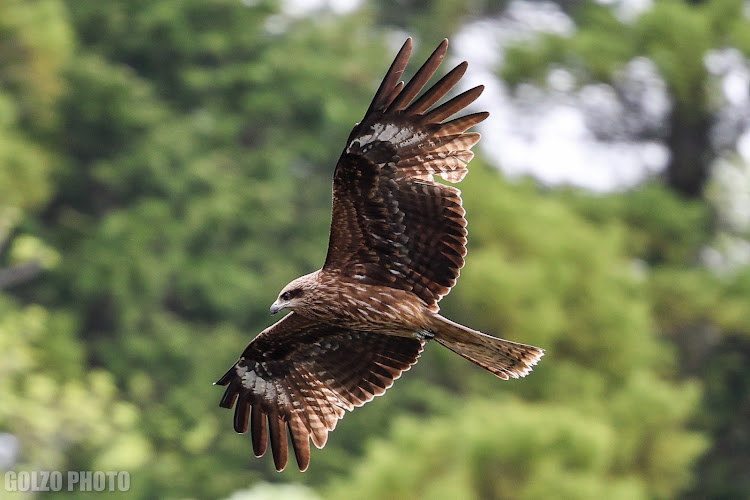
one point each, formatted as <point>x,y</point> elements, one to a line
<point>397,243</point>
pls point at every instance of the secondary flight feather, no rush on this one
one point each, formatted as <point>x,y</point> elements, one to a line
<point>397,244</point>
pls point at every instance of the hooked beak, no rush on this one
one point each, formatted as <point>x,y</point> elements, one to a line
<point>277,306</point>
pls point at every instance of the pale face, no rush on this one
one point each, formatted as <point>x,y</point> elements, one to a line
<point>291,296</point>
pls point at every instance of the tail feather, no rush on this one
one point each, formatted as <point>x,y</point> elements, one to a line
<point>504,358</point>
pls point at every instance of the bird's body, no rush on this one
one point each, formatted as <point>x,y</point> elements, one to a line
<point>368,308</point>
<point>397,244</point>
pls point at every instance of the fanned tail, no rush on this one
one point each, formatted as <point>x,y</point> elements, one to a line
<point>504,358</point>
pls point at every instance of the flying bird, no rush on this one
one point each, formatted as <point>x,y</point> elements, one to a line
<point>397,243</point>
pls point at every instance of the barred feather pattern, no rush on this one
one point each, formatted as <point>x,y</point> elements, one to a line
<point>300,374</point>
<point>392,224</point>
<point>397,244</point>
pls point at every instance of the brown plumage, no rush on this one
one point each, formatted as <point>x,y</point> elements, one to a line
<point>397,244</point>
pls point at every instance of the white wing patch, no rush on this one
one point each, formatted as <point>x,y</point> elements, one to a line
<point>399,136</point>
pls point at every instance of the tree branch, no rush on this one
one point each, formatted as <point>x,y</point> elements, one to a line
<point>16,275</point>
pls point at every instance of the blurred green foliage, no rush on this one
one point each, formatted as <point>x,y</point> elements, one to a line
<point>676,36</point>
<point>165,168</point>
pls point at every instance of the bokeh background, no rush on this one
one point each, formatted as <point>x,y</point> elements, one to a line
<point>165,169</point>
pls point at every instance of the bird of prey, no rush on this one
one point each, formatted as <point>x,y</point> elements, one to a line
<point>397,243</point>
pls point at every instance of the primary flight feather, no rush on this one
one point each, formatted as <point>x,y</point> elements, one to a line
<point>397,244</point>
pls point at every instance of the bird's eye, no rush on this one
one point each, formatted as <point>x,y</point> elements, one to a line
<point>286,296</point>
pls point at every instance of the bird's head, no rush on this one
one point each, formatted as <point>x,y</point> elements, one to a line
<point>293,295</point>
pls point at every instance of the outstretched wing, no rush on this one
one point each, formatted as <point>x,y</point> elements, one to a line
<point>392,224</point>
<point>302,374</point>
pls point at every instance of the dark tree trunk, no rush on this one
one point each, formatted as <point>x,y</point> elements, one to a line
<point>690,148</point>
